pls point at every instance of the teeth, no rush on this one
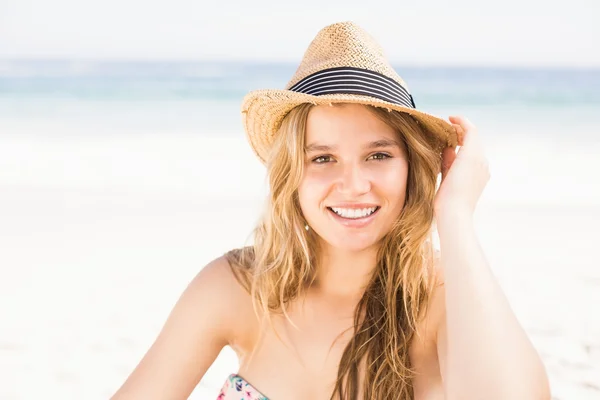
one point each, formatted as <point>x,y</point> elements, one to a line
<point>354,212</point>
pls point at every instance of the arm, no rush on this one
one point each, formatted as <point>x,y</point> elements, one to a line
<point>483,350</point>
<point>199,326</point>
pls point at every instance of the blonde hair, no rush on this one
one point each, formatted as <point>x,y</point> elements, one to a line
<point>281,263</point>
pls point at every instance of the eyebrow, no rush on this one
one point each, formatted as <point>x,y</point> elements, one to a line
<point>377,144</point>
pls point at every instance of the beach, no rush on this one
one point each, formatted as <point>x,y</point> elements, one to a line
<point>104,221</point>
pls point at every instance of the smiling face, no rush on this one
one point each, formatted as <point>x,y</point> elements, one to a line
<point>355,175</point>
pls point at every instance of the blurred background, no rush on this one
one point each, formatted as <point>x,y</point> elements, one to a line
<point>124,167</point>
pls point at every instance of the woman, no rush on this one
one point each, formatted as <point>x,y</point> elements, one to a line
<point>342,294</point>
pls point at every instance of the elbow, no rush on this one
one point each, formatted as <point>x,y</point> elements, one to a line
<point>534,391</point>
<point>543,391</point>
<point>537,387</point>
<point>540,385</point>
<point>540,393</point>
<point>527,386</point>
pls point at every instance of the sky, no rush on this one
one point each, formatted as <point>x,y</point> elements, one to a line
<point>524,33</point>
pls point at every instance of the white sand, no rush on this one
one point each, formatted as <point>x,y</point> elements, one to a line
<point>100,234</point>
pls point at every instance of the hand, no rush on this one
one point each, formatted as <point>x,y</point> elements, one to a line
<point>464,174</point>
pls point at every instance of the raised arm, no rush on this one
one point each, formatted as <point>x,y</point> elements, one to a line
<point>483,351</point>
<point>198,327</point>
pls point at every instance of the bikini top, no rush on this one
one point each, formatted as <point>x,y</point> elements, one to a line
<point>237,388</point>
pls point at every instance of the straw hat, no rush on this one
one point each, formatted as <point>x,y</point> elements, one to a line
<point>343,64</point>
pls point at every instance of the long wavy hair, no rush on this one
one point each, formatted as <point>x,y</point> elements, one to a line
<point>281,263</point>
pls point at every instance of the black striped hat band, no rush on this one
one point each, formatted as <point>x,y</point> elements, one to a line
<point>349,80</point>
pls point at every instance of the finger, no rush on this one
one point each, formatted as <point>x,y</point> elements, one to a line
<point>466,124</point>
<point>448,157</point>
<point>460,134</point>
<point>470,136</point>
<point>463,127</point>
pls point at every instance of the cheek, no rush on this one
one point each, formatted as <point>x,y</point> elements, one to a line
<point>312,190</point>
<point>392,182</point>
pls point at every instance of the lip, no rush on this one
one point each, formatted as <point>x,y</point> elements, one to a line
<point>354,223</point>
<point>353,205</point>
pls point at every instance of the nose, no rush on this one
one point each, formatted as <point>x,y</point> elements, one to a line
<point>353,181</point>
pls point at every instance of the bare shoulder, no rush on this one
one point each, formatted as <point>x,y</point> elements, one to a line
<point>424,351</point>
<point>437,312</point>
<point>221,284</point>
<point>203,321</point>
<point>424,344</point>
<point>218,279</point>
<point>434,313</point>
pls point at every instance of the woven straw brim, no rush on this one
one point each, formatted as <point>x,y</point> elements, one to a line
<point>264,110</point>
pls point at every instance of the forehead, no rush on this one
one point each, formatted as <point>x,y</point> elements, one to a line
<point>345,122</point>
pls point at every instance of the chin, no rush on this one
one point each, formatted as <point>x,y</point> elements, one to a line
<point>350,244</point>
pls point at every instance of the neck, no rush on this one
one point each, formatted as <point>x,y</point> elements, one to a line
<point>343,274</point>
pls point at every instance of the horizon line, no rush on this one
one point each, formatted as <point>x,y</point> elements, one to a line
<point>287,62</point>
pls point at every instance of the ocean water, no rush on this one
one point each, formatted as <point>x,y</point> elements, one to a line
<point>204,96</point>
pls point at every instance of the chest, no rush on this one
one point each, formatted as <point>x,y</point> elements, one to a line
<point>297,362</point>
<point>300,359</point>
<point>301,362</point>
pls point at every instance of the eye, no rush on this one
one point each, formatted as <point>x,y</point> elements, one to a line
<point>380,156</point>
<point>321,159</point>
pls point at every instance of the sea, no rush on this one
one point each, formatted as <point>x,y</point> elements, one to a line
<point>201,95</point>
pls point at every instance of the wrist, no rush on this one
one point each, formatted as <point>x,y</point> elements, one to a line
<point>453,216</point>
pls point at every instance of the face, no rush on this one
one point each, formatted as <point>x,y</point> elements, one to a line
<point>355,174</point>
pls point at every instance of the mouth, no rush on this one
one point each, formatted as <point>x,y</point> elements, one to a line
<point>353,214</point>
<point>353,217</point>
